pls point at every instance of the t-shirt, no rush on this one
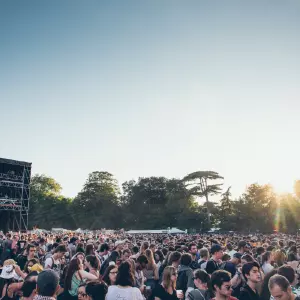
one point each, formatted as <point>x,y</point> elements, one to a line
<point>230,267</point>
<point>267,268</point>
<point>55,265</point>
<point>125,293</point>
<point>212,266</point>
<point>162,294</point>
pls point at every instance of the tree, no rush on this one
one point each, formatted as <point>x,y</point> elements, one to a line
<point>97,205</point>
<point>200,187</point>
<point>226,210</point>
<point>47,207</point>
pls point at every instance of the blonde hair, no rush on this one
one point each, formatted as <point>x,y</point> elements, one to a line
<point>279,258</point>
<point>150,257</point>
<point>166,279</point>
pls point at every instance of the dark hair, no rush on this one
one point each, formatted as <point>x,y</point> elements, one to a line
<point>265,257</point>
<point>104,247</point>
<point>279,280</point>
<point>142,259</point>
<point>202,275</point>
<point>125,276</point>
<point>186,259</point>
<point>74,266</point>
<point>219,277</point>
<point>248,258</point>
<point>29,246</point>
<point>174,256</point>
<point>248,267</point>
<point>89,250</point>
<point>34,261</point>
<point>191,245</point>
<point>106,274</point>
<point>96,290</point>
<point>288,272</point>
<point>160,255</point>
<point>29,286</point>
<point>135,249</point>
<point>60,248</point>
<point>260,250</point>
<point>93,261</point>
<point>265,293</point>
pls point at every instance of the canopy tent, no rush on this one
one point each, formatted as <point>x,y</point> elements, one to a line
<point>159,231</point>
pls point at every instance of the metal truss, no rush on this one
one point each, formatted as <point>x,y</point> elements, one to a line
<point>20,205</point>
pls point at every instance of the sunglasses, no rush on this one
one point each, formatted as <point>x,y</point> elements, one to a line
<point>82,294</point>
<point>175,274</point>
<point>113,272</point>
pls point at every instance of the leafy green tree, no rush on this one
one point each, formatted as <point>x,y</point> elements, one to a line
<point>199,186</point>
<point>97,205</point>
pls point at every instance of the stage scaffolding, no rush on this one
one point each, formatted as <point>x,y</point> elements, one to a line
<point>15,191</point>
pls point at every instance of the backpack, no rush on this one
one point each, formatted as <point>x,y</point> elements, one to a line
<point>182,281</point>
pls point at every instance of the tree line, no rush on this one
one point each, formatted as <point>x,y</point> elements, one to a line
<point>159,202</point>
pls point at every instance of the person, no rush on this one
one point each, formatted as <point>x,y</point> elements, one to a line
<point>193,251</point>
<point>89,250</point>
<point>292,253</point>
<point>124,288</point>
<point>28,254</point>
<point>110,275</point>
<point>264,290</point>
<point>72,246</point>
<point>185,280</point>
<point>103,252</point>
<point>279,258</point>
<point>30,263</point>
<point>150,272</point>
<point>167,289</point>
<point>221,285</point>
<point>74,277</point>
<point>201,281</point>
<point>214,263</point>
<point>242,247</point>
<point>280,288</point>
<point>251,272</point>
<point>9,276</point>
<point>96,290</point>
<point>47,285</point>
<point>174,259</point>
<point>159,258</point>
<point>6,248</point>
<point>230,250</point>
<point>92,264</point>
<point>267,259</point>
<point>126,253</point>
<point>204,257</point>
<point>28,288</point>
<point>82,295</point>
<point>231,265</point>
<point>289,273</point>
<point>141,264</point>
<point>53,262</point>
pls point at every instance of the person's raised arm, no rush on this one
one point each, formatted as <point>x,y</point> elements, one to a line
<point>87,275</point>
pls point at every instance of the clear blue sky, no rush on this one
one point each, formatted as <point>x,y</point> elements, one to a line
<point>160,87</point>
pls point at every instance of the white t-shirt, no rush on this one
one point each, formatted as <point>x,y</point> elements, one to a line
<point>267,268</point>
<point>53,264</point>
<point>231,253</point>
<point>124,293</point>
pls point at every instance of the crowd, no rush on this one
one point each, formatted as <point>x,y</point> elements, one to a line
<point>118,266</point>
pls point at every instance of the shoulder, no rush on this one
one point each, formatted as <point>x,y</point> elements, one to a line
<point>49,261</point>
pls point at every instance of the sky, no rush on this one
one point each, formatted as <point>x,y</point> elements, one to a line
<point>152,88</point>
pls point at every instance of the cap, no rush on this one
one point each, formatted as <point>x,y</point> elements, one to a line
<point>215,248</point>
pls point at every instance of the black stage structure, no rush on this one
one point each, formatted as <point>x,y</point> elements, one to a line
<point>14,194</point>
